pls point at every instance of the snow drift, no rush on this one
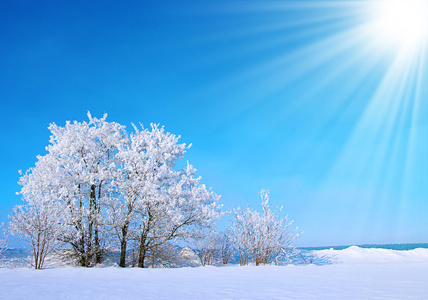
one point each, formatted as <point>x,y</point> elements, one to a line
<point>357,255</point>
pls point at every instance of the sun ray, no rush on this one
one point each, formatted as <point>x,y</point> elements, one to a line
<point>344,67</point>
<point>411,150</point>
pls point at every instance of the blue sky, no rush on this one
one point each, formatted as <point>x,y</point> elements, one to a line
<point>296,96</point>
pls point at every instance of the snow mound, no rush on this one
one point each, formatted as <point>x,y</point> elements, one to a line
<point>357,255</point>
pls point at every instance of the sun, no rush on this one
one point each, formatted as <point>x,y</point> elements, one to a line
<point>401,22</point>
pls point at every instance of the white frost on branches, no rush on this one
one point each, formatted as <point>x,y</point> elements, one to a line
<point>39,223</point>
<point>109,183</point>
<point>262,237</point>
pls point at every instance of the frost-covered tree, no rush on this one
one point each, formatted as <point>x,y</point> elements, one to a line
<point>78,168</point>
<point>111,182</point>
<point>152,202</point>
<point>262,237</point>
<point>85,154</point>
<point>146,160</point>
<point>240,231</point>
<point>225,248</point>
<point>39,223</point>
<point>180,205</point>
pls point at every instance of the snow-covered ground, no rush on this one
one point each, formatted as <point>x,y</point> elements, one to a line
<point>356,274</point>
<point>356,255</point>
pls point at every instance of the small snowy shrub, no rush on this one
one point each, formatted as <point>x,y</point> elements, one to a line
<point>262,238</point>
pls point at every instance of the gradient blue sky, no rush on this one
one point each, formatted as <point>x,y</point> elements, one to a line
<point>295,96</point>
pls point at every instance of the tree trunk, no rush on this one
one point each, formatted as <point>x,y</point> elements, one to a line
<point>93,227</point>
<point>81,253</point>
<point>143,250</point>
<point>141,258</point>
<point>81,249</point>
<point>123,243</point>
<point>98,253</point>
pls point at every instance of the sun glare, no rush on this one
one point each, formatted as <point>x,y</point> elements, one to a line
<point>401,22</point>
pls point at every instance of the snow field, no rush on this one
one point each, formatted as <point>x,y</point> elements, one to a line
<point>362,274</point>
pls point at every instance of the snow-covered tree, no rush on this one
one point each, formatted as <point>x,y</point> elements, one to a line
<point>78,168</point>
<point>152,202</point>
<point>146,160</point>
<point>39,223</point>
<point>85,153</point>
<point>240,231</point>
<point>225,248</point>
<point>110,182</point>
<point>179,206</point>
<point>262,237</point>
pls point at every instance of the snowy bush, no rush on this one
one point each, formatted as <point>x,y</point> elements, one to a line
<point>207,245</point>
<point>262,238</point>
